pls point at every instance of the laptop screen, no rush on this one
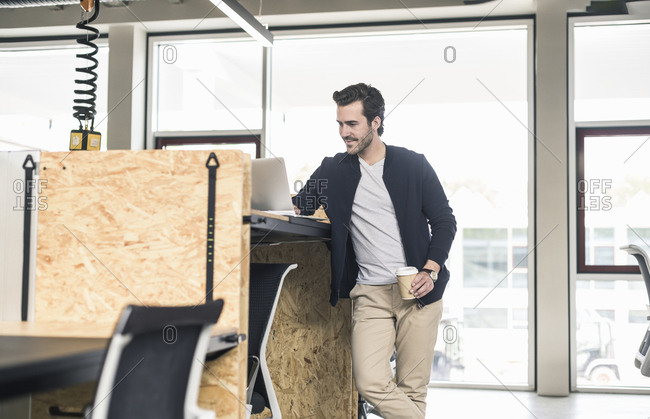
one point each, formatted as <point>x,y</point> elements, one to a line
<point>270,186</point>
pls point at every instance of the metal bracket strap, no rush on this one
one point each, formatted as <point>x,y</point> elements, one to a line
<point>212,164</point>
<point>29,167</point>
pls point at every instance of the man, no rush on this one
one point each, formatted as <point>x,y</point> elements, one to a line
<point>388,210</point>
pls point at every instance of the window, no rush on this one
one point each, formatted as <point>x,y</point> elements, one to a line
<point>612,63</point>
<point>607,314</point>
<point>519,280</point>
<point>205,90</point>
<point>449,98</point>
<point>486,318</point>
<point>37,93</point>
<point>613,197</point>
<point>520,318</point>
<point>638,316</point>
<point>520,255</point>
<point>485,260</point>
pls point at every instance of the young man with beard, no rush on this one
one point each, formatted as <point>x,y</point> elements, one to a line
<point>388,210</point>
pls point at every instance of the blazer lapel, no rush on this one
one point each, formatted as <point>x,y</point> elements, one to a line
<point>349,177</point>
<point>395,184</point>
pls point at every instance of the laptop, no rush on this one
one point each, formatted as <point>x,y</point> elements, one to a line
<point>270,186</point>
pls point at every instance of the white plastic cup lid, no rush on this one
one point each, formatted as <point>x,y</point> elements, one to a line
<point>407,270</point>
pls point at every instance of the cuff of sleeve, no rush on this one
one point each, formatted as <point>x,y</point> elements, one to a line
<point>438,255</point>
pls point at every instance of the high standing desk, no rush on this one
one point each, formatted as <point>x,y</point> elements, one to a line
<point>268,229</point>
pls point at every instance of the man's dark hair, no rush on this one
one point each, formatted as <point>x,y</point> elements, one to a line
<point>370,97</point>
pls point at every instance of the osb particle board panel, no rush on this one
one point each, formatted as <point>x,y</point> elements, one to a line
<point>130,227</point>
<point>308,352</point>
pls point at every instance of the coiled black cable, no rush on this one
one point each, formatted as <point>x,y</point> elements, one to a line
<point>85,106</point>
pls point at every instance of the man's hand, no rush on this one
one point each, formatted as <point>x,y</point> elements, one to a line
<point>296,210</point>
<point>421,285</point>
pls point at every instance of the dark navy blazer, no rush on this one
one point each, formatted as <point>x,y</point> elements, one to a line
<point>426,222</point>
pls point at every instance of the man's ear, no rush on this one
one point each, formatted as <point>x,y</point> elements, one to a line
<point>376,123</point>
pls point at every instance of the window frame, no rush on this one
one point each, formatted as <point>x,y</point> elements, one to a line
<point>218,138</point>
<point>195,137</point>
<point>578,280</point>
<point>580,134</point>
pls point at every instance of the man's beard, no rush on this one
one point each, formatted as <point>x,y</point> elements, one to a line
<point>362,143</point>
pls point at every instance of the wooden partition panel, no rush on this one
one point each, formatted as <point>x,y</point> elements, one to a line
<point>130,227</point>
<point>308,352</point>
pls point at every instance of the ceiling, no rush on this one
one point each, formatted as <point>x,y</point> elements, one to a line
<point>196,15</point>
<point>174,15</point>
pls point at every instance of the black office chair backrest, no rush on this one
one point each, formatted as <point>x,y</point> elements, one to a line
<point>643,266</point>
<point>158,364</point>
<point>641,359</point>
<point>265,282</point>
<point>643,260</point>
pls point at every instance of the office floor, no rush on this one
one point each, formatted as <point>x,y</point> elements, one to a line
<point>463,403</point>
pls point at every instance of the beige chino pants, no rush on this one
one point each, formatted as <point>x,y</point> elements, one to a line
<point>381,322</point>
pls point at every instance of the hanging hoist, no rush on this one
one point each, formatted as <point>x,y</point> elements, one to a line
<point>86,138</point>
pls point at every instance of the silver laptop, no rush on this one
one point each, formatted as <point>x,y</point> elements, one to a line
<point>270,186</point>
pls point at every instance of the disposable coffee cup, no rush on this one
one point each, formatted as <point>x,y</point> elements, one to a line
<point>405,276</point>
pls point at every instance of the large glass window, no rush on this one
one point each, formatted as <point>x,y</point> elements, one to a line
<point>204,87</point>
<point>612,63</point>
<point>612,190</point>
<point>460,97</point>
<point>485,256</point>
<point>37,94</point>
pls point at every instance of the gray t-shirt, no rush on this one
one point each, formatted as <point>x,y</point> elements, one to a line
<point>375,234</point>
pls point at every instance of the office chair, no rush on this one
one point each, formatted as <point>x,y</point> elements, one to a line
<point>641,359</point>
<point>265,286</point>
<point>153,364</point>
